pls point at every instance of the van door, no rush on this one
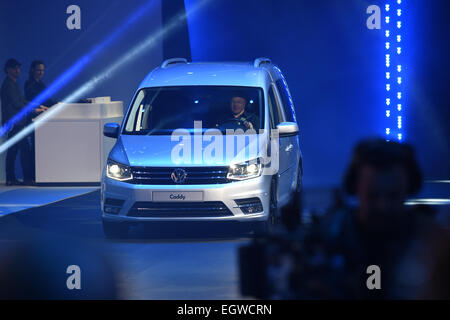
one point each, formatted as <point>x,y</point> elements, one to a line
<point>283,161</point>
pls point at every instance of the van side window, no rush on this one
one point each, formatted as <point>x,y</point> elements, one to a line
<point>134,113</point>
<point>273,109</point>
<point>286,100</point>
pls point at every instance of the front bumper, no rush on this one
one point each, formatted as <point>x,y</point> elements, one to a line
<point>227,193</point>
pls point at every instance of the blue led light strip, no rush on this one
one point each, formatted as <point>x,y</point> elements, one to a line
<point>394,101</point>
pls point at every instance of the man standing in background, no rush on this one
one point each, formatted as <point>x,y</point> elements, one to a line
<point>13,102</point>
<point>33,87</point>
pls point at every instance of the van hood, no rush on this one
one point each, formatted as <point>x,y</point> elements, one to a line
<point>161,151</point>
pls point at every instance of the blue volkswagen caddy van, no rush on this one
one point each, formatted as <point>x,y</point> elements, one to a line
<point>203,142</point>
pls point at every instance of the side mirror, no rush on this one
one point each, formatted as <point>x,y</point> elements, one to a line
<point>111,130</point>
<point>287,129</point>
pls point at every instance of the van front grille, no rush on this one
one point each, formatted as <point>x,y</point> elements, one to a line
<point>179,209</point>
<point>194,175</point>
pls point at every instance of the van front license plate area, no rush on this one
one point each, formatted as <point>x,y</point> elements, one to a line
<point>177,196</point>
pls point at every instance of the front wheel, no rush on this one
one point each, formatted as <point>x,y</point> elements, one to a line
<point>292,213</point>
<point>274,216</point>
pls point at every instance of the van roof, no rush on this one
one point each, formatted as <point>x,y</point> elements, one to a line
<point>209,73</point>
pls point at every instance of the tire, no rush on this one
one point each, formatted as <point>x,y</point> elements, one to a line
<point>292,212</point>
<point>274,214</point>
<point>299,188</point>
<point>115,230</point>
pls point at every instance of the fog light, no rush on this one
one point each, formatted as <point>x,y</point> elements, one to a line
<point>250,206</point>
<point>251,209</point>
<point>111,210</point>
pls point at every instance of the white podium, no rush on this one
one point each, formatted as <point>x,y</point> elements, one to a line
<point>70,147</point>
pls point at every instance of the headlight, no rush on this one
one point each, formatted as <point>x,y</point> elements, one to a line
<point>118,171</point>
<point>246,170</point>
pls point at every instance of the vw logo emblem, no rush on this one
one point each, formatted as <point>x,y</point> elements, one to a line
<point>178,175</point>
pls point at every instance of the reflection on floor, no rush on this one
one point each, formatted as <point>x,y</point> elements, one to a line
<point>18,198</point>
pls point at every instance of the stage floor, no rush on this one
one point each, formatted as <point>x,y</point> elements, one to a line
<point>187,263</point>
<point>18,198</point>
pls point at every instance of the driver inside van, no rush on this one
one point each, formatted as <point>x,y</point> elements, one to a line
<point>241,117</point>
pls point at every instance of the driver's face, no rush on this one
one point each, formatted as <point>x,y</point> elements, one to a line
<point>237,105</point>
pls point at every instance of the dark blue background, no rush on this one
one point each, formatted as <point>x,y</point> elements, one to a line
<point>37,30</point>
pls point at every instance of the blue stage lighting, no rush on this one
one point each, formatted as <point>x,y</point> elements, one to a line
<point>394,54</point>
<point>149,42</point>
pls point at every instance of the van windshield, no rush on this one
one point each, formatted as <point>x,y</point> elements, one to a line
<point>161,110</point>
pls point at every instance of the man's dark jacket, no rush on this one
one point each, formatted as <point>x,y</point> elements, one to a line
<point>12,101</point>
